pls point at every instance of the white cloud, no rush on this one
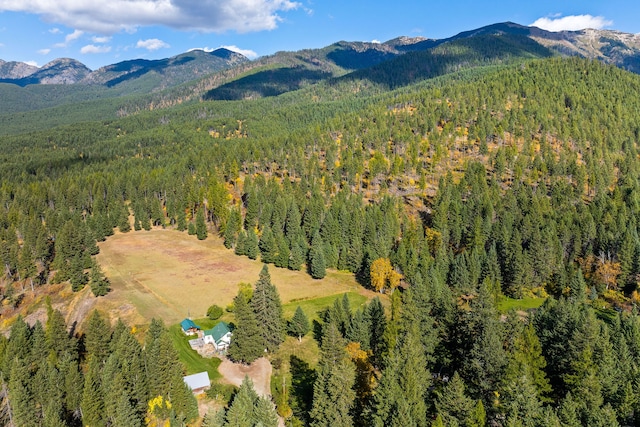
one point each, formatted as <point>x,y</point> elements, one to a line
<point>96,39</point>
<point>44,51</point>
<point>151,44</point>
<point>572,22</point>
<point>32,63</point>
<point>55,31</point>
<point>69,38</point>
<point>376,41</point>
<point>116,15</point>
<point>91,48</point>
<point>73,36</point>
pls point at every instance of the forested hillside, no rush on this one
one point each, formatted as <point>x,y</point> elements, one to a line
<point>503,177</point>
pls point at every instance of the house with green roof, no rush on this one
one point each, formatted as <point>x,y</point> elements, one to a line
<point>219,336</point>
<point>189,327</point>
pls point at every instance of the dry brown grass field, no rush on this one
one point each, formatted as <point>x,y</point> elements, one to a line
<point>171,275</point>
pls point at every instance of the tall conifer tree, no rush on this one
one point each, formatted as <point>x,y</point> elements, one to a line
<point>317,264</point>
<point>267,307</point>
<point>247,343</point>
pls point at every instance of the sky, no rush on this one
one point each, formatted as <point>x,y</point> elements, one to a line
<point>99,32</point>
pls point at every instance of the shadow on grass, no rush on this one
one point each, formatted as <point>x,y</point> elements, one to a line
<point>302,379</point>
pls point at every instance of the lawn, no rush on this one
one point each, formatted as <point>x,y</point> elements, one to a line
<point>170,275</point>
<point>190,358</point>
<point>312,307</point>
<point>505,304</point>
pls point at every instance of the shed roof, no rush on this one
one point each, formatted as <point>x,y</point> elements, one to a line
<point>187,324</point>
<point>197,381</point>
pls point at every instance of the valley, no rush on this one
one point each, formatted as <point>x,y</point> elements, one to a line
<point>416,232</point>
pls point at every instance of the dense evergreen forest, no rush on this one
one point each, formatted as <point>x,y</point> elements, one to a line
<point>516,179</point>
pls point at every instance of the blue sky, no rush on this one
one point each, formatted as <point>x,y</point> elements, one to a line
<point>100,32</point>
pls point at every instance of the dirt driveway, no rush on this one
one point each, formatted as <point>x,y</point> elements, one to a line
<point>259,372</point>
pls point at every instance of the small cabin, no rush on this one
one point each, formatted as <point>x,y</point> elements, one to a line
<point>189,327</point>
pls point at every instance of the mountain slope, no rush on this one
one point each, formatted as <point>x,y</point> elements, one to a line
<point>163,73</point>
<point>58,71</point>
<point>611,47</point>
<point>15,70</point>
<point>31,88</point>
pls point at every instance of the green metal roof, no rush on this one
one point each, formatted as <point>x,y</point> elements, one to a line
<point>218,331</point>
<point>187,324</point>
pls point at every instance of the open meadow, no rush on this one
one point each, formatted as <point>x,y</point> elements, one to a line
<point>170,275</point>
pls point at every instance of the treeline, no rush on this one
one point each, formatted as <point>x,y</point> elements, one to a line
<point>103,377</point>
<point>438,363</point>
<point>538,132</point>
<point>516,181</point>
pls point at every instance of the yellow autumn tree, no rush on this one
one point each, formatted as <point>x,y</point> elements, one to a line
<point>383,275</point>
<point>607,272</point>
<point>434,239</point>
<point>365,372</point>
<point>158,412</point>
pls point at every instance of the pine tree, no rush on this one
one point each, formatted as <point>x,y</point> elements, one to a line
<point>201,226</point>
<point>252,209</point>
<point>76,274</point>
<point>126,415</point>
<point>299,324</point>
<point>282,259</point>
<point>232,228</point>
<point>264,413</point>
<point>400,398</point>
<point>359,328</point>
<point>58,340</point>
<point>26,264</point>
<point>333,394</point>
<point>240,413</point>
<point>241,243</point>
<point>378,322</point>
<point>181,222</point>
<point>162,362</point>
<point>267,308</point>
<point>296,256</point>
<point>317,265</point>
<point>251,244</point>
<point>247,343</point>
<point>73,386</point>
<point>92,403</point>
<point>97,336</point>
<point>52,416</point>
<point>214,420</point>
<point>99,283</point>
<point>21,400</point>
<point>453,406</point>
<point>268,246</point>
<point>519,396</point>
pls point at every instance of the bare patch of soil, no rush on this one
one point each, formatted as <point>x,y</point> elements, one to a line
<point>259,372</point>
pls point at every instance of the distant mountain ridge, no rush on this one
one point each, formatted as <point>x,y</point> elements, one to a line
<point>171,71</point>
<point>613,47</point>
<point>140,84</point>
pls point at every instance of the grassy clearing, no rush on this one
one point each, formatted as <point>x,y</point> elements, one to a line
<point>505,304</point>
<point>312,307</point>
<point>190,358</point>
<point>171,275</point>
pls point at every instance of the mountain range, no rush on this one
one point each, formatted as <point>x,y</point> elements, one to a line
<point>613,47</point>
<point>168,72</point>
<point>139,84</point>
